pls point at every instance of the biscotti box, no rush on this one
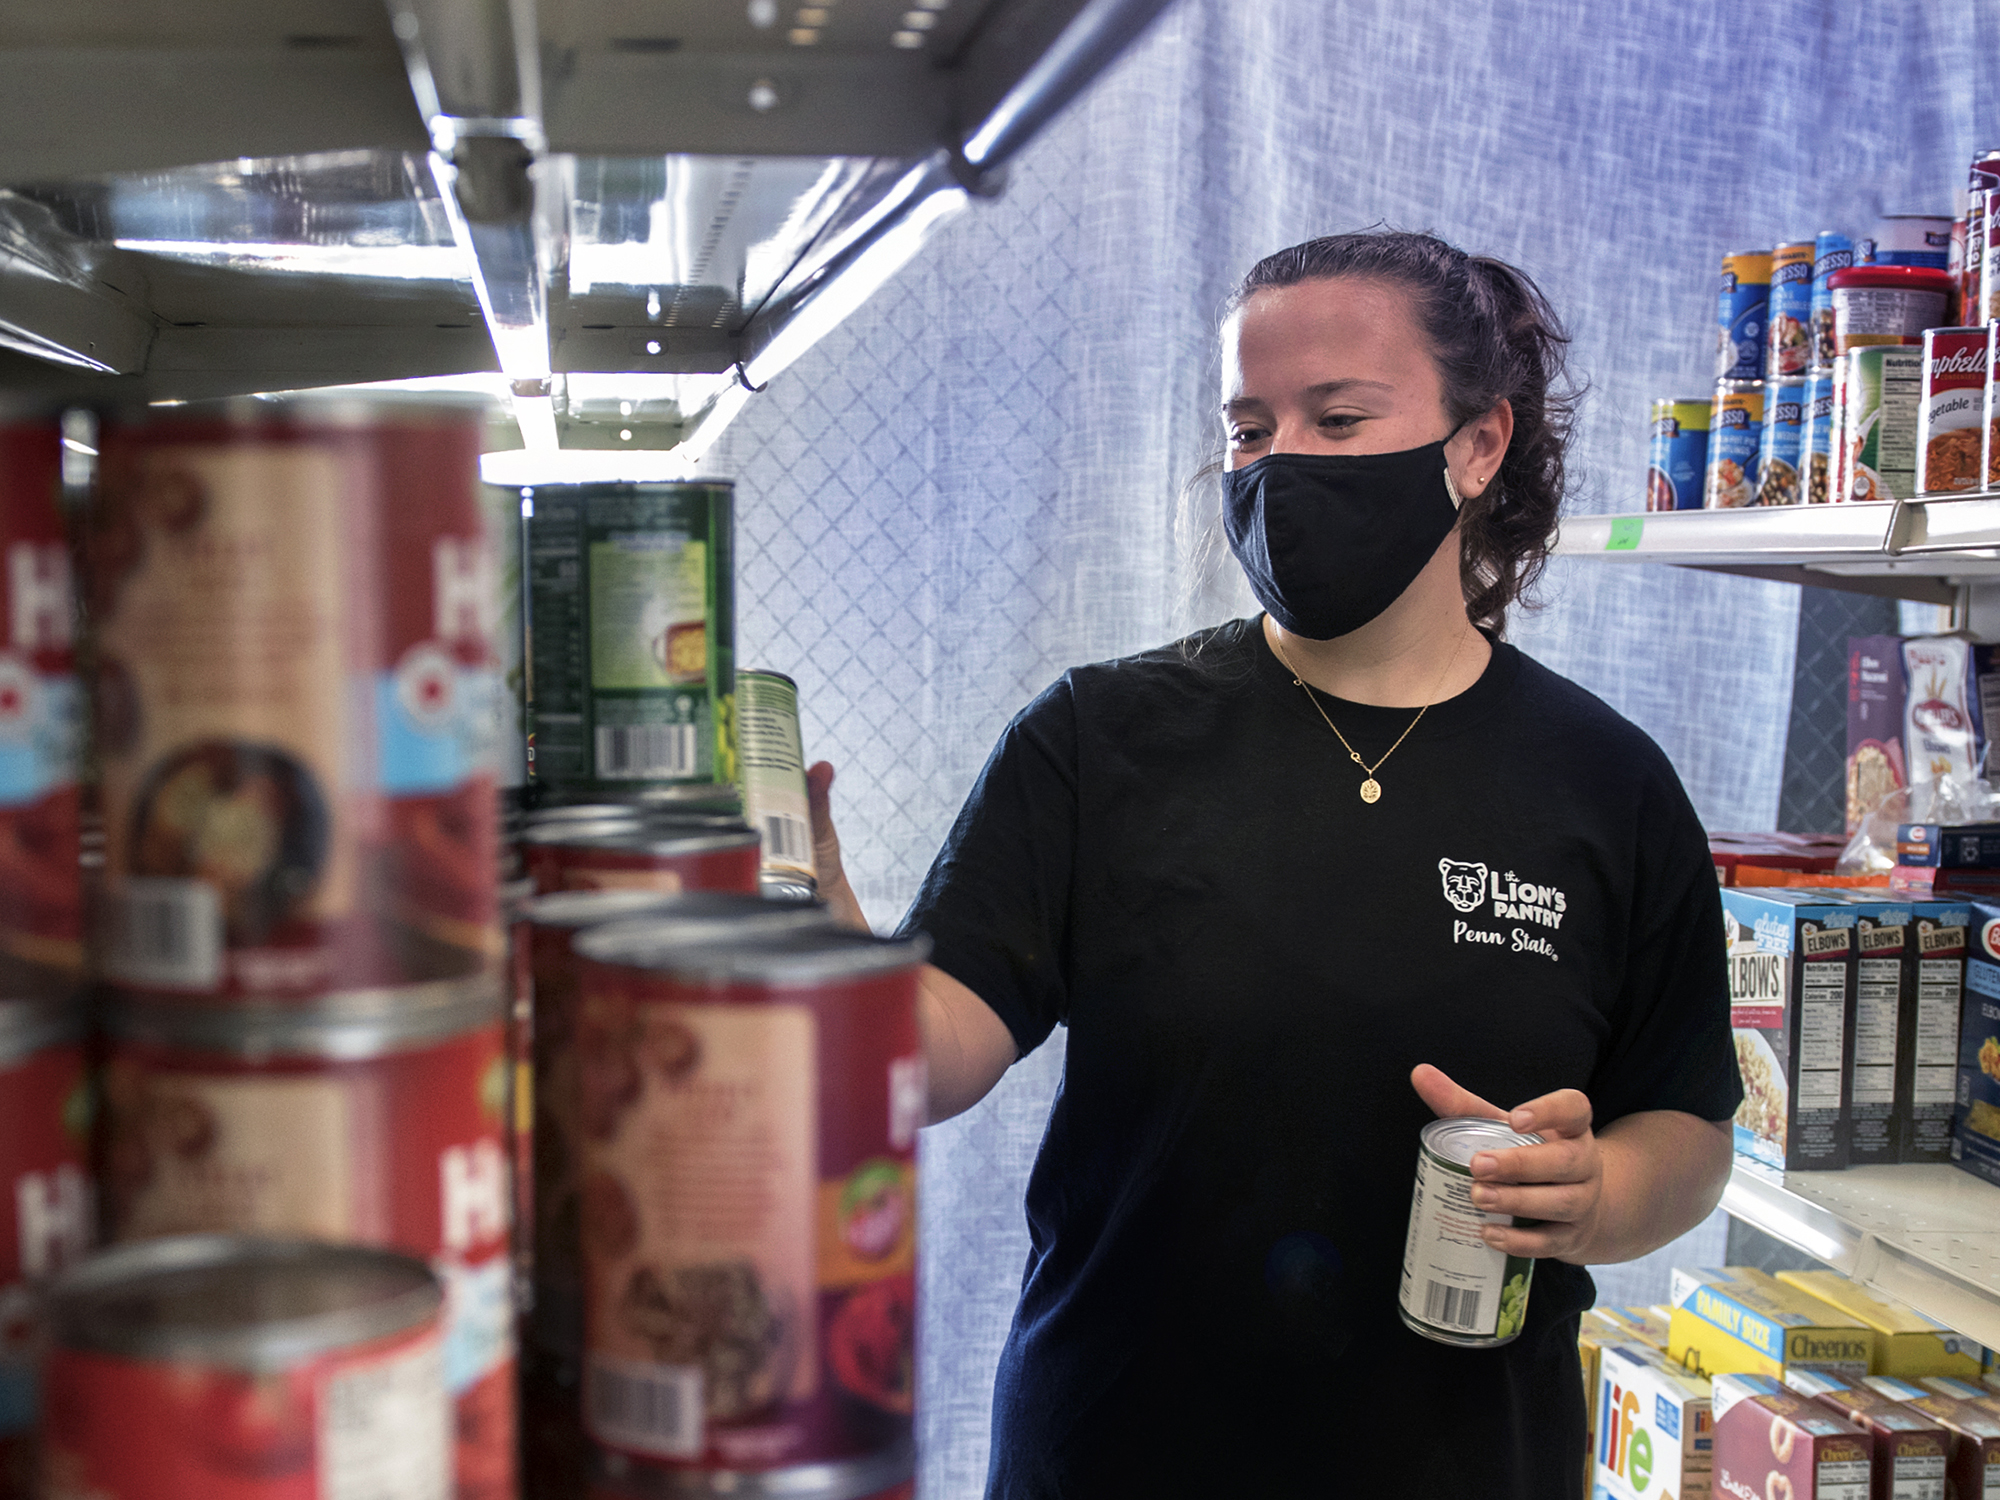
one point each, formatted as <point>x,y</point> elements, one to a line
<point>1732,1320</point>
<point>1927,1073</point>
<point>1791,1007</point>
<point>1653,1438</point>
<point>1975,1142</point>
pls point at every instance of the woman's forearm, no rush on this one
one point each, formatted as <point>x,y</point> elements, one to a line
<point>1664,1172</point>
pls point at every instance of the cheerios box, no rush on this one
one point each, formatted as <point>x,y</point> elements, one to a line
<point>1736,1319</point>
<point>1911,1449</point>
<point>1791,1008</point>
<point>1975,1124</point>
<point>1774,1444</point>
<point>1653,1440</point>
<point>1905,1342</point>
<point>1973,1469</point>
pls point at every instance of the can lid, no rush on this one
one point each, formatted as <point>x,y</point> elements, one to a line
<point>671,836</point>
<point>256,1305</point>
<point>346,1026</point>
<point>628,487</point>
<point>767,675</point>
<point>1904,278</point>
<point>786,886</point>
<point>30,1024</point>
<point>1459,1140</point>
<point>803,956</point>
<point>699,917</point>
<point>594,908</point>
<point>693,796</point>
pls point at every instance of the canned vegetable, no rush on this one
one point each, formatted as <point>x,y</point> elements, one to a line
<point>1456,1288</point>
<point>1880,396</point>
<point>773,759</point>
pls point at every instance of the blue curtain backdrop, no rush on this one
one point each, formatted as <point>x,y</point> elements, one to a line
<point>975,482</point>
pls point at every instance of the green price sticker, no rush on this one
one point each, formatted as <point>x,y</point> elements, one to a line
<point>1625,532</point>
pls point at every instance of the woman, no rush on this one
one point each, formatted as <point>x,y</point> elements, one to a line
<point>1302,883</point>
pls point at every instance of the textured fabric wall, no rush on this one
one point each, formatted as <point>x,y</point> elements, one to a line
<point>972,485</point>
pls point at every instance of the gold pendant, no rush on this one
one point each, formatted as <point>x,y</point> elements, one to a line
<point>1371,790</point>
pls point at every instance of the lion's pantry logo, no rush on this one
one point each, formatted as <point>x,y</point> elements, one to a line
<point>1469,885</point>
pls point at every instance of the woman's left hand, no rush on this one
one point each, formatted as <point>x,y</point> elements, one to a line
<point>1560,1182</point>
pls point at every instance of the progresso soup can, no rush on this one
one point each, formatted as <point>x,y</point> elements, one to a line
<point>1678,462</point>
<point>1741,305</point>
<point>1832,251</point>
<point>1736,433</point>
<point>216,1368</point>
<point>1456,1288</point>
<point>762,1341</point>
<point>1789,317</point>
<point>1816,438</point>
<point>632,608</point>
<point>1778,448</point>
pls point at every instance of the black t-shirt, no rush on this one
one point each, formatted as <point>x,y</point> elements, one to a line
<point>1170,854</point>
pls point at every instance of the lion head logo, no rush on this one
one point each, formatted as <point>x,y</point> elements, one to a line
<point>1464,884</point>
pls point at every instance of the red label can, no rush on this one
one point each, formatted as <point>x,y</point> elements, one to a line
<point>47,1217</point>
<point>41,892</point>
<point>749,1204</point>
<point>661,857</point>
<point>159,1387</point>
<point>375,1120</point>
<point>1951,414</point>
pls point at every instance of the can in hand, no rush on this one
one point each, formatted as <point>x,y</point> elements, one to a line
<point>1456,1288</point>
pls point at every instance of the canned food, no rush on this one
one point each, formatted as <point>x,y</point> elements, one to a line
<point>1778,448</point>
<point>46,1215</point>
<point>763,1337</point>
<point>1840,478</point>
<point>1736,433</point>
<point>253,848</point>
<point>1789,315</point>
<point>1832,251</point>
<point>650,854</point>
<point>785,888</point>
<point>1951,411</point>
<point>1990,443</point>
<point>1912,240</point>
<point>1816,438</point>
<point>1880,396</point>
<point>1739,317</point>
<point>246,1370</point>
<point>41,889</point>
<point>688,799</point>
<point>1875,305</point>
<point>1980,182</point>
<point>1456,1288</point>
<point>632,598</point>
<point>369,1119</point>
<point>773,760</point>
<point>1958,307</point>
<point>1679,457</point>
<point>505,524</point>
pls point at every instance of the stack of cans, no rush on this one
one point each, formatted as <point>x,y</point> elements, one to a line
<point>1957,443</point>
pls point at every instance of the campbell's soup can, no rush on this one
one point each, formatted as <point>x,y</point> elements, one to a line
<point>1736,434</point>
<point>1778,445</point>
<point>291,653</point>
<point>1886,305</point>
<point>653,854</point>
<point>632,602</point>
<point>1677,462</point>
<point>1990,443</point>
<point>47,1216</point>
<point>41,889</point>
<point>1881,392</point>
<point>1788,318</point>
<point>772,756</point>
<point>1741,305</point>
<point>1455,1288</point>
<point>1816,439</point>
<point>211,1367</point>
<point>375,1119</point>
<point>1832,251</point>
<point>750,1266</point>
<point>1951,411</point>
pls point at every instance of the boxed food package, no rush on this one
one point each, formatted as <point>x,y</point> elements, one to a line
<point>1975,1129</point>
<point>1595,1331</point>
<point>1653,1439</point>
<point>1973,1469</point>
<point>1905,1342</point>
<point>1875,691</point>
<point>1800,853</point>
<point>1774,1444</point>
<point>1791,1008</point>
<point>1974,1391</point>
<point>1932,883</point>
<point>1927,1072</point>
<point>1911,1449</point>
<point>1877,1120</point>
<point>1951,846</point>
<point>1737,1319</point>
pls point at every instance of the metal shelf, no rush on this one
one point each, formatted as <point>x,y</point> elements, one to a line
<point>1925,1235</point>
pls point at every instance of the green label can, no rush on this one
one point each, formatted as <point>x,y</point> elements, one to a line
<point>1881,393</point>
<point>632,625</point>
<point>1456,1288</point>
<point>772,766</point>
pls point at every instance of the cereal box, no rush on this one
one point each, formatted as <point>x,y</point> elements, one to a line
<point>1973,1470</point>
<point>1791,1004</point>
<point>1774,1444</point>
<point>1736,1319</point>
<point>1875,690</point>
<point>1906,1343</point>
<point>1911,1449</point>
<point>1957,1389</point>
<point>1975,1142</point>
<point>1653,1438</point>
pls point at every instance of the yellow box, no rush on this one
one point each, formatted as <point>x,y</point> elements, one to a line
<point>1595,1329</point>
<point>1737,1320</point>
<point>1648,1324</point>
<point>1907,1344</point>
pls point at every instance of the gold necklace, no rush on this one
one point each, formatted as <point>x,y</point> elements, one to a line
<point>1371,789</point>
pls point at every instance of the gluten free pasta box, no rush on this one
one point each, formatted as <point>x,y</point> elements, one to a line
<point>1736,1320</point>
<point>1975,1129</point>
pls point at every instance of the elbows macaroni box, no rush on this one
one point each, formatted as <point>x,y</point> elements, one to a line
<point>1905,1342</point>
<point>1911,1450</point>
<point>1877,1119</point>
<point>1774,1444</point>
<point>1975,1129</point>
<point>1653,1434</point>
<point>1738,1320</point>
<point>1791,1007</point>
<point>1927,1067</point>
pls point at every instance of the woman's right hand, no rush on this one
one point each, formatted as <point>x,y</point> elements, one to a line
<point>833,887</point>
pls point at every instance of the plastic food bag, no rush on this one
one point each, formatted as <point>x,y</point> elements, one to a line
<point>1948,799</point>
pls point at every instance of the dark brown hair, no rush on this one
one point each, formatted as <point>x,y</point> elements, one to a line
<point>1494,337</point>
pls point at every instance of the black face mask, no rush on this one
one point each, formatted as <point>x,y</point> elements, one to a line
<point>1330,540</point>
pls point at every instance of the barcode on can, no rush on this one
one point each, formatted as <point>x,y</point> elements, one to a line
<point>1450,1306</point>
<point>164,931</point>
<point>635,750</point>
<point>788,839</point>
<point>645,1408</point>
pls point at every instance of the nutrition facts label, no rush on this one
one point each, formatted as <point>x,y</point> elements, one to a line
<point>1938,998</point>
<point>1846,1479</point>
<point>1918,1479</point>
<point>1877,993</point>
<point>1822,1025</point>
<point>385,1429</point>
